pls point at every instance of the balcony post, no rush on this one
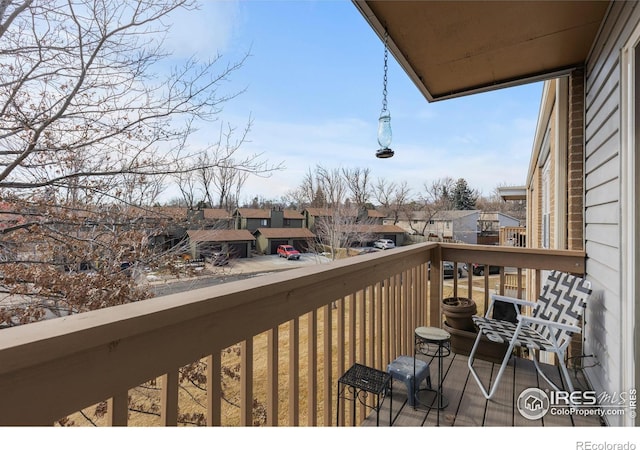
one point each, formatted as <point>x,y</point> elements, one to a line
<point>118,410</point>
<point>435,286</point>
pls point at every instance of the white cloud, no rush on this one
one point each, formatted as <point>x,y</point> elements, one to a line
<point>204,32</point>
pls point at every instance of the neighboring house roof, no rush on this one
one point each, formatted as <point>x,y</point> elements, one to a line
<point>438,215</point>
<point>327,212</point>
<point>253,213</point>
<point>293,214</point>
<point>375,214</point>
<point>172,212</point>
<point>220,235</point>
<point>216,213</point>
<point>387,229</point>
<point>495,216</point>
<point>285,233</point>
<point>261,213</point>
<point>319,212</point>
<point>454,214</point>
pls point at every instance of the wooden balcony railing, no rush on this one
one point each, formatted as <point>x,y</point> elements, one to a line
<point>513,236</point>
<point>297,332</point>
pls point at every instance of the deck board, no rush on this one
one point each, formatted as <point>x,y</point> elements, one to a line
<point>526,377</point>
<point>468,407</point>
<point>453,389</point>
<point>449,372</point>
<point>500,410</point>
<point>553,372</point>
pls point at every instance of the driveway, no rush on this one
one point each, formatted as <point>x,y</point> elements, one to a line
<point>237,269</point>
<point>269,263</point>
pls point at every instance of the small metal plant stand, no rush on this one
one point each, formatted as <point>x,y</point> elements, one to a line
<point>436,343</point>
<point>358,383</point>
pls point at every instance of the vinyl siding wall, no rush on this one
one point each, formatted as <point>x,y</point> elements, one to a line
<point>602,198</point>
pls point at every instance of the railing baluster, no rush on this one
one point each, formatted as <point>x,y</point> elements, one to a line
<point>435,283</point>
<point>486,290</point>
<point>370,300</point>
<point>413,298</point>
<point>379,343</point>
<point>328,366</point>
<point>169,398</point>
<point>118,410</point>
<point>352,340</point>
<point>362,337</point>
<point>470,282</point>
<point>406,302</point>
<point>294,367</point>
<point>214,389</point>
<point>312,368</point>
<point>340,367</point>
<point>421,295</point>
<point>388,321</point>
<point>272,377</point>
<point>246,382</point>
<point>398,299</point>
<point>455,279</point>
<point>519,283</point>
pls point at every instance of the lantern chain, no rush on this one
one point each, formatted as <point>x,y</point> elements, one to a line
<point>384,81</point>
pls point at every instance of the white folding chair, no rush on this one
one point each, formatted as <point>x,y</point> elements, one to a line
<point>555,317</point>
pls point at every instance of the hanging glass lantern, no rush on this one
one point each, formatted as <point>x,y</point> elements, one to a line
<point>384,122</point>
<point>384,135</point>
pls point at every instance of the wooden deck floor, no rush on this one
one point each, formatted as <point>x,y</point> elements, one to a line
<point>468,407</point>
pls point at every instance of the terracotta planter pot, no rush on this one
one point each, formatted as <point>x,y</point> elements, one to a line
<point>458,312</point>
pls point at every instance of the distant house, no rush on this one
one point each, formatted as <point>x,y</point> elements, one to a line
<point>203,243</point>
<point>172,223</point>
<point>268,239</point>
<point>219,219</point>
<point>366,224</point>
<point>489,225</point>
<point>253,218</point>
<point>468,226</point>
<point>456,225</point>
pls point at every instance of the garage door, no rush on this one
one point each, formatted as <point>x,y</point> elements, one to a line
<point>238,250</point>
<point>302,245</point>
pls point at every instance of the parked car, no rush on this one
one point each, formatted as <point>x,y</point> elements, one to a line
<point>287,251</point>
<point>384,244</point>
<point>479,269</point>
<point>447,267</point>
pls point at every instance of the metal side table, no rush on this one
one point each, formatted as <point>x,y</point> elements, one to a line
<point>360,381</point>
<point>436,343</point>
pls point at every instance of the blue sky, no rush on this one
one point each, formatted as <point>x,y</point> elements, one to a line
<point>314,90</point>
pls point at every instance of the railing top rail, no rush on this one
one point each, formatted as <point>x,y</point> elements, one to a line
<point>572,261</point>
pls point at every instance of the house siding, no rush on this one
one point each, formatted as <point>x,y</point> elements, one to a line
<point>602,194</point>
<point>465,229</point>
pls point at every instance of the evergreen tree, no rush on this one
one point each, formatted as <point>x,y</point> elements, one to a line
<point>464,197</point>
<point>319,199</point>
